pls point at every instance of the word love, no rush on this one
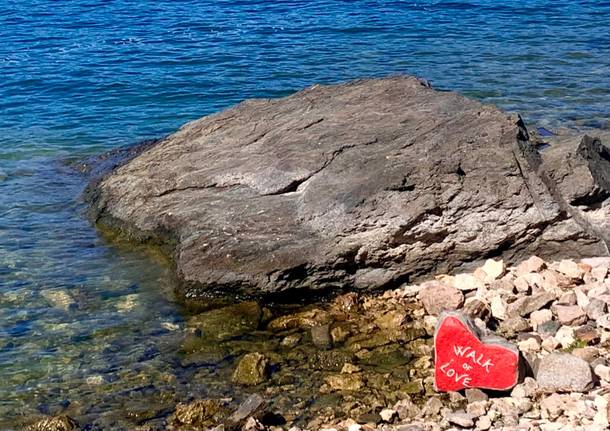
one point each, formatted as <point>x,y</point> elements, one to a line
<point>465,360</point>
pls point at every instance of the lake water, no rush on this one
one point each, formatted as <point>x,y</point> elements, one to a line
<point>78,78</point>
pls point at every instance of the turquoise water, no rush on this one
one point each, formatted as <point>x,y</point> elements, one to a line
<point>80,77</point>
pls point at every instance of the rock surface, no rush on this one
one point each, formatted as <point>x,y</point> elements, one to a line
<point>357,185</point>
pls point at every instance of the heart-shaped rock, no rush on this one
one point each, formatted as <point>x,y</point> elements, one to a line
<point>465,360</point>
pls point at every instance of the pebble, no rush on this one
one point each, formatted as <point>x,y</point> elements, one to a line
<point>570,314</point>
<point>462,419</point>
<point>552,376</point>
<point>437,297</point>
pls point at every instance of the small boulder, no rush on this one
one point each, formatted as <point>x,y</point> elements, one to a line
<point>570,269</point>
<point>56,423</point>
<point>533,264</point>
<point>528,304</point>
<point>494,268</point>
<point>251,370</point>
<point>570,314</point>
<point>199,413</point>
<point>437,297</point>
<point>551,373</point>
<point>461,419</point>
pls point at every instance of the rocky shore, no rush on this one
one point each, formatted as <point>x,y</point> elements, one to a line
<point>365,361</point>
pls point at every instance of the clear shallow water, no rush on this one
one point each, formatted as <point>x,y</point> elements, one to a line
<point>78,78</point>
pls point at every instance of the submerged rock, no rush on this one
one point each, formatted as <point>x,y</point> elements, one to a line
<point>57,423</point>
<point>251,369</point>
<point>200,413</point>
<point>354,185</point>
<point>227,322</point>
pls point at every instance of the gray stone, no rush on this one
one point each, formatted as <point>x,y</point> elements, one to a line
<point>525,305</point>
<point>437,297</point>
<point>353,185</point>
<point>474,395</point>
<point>254,406</point>
<point>462,419</point>
<point>562,372</point>
<point>320,336</point>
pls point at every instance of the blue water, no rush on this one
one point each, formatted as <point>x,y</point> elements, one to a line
<point>77,78</point>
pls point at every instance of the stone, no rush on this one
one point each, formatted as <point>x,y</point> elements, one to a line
<point>548,328</point>
<point>513,325</point>
<point>587,333</point>
<point>59,298</point>
<point>565,336</point>
<point>570,314</point>
<point>604,321</point>
<point>552,406</point>
<point>474,395</point>
<point>484,423</point>
<point>599,273</point>
<point>463,359</point>
<point>603,372</point>
<point>477,409</point>
<point>251,370</point>
<point>391,320</point>
<point>477,309</point>
<point>597,262</point>
<point>227,322</point>
<point>588,354</point>
<point>291,340</point>
<point>345,382</point>
<point>525,305</point>
<point>539,317</point>
<point>596,309</point>
<point>527,389</point>
<point>567,298</point>
<point>551,374</point>
<point>498,308</point>
<point>467,282</point>
<point>521,285</point>
<point>531,264</point>
<point>55,423</point>
<point>199,413</point>
<point>253,407</point>
<point>320,335</point>
<point>461,419</point>
<point>601,403</point>
<point>529,345</point>
<point>582,300</point>
<point>570,269</point>
<point>337,187</point>
<point>302,320</point>
<point>494,268</point>
<point>406,409</point>
<point>388,415</point>
<point>437,297</point>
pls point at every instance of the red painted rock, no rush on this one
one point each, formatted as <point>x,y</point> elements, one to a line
<point>463,359</point>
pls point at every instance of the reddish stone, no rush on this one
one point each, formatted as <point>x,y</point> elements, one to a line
<point>464,360</point>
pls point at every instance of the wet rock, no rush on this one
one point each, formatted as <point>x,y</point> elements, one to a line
<point>391,320</point>
<point>59,298</point>
<point>437,297</point>
<point>57,423</point>
<point>291,340</point>
<point>345,382</point>
<point>199,351</point>
<point>227,322</point>
<point>251,370</point>
<point>200,413</point>
<point>551,374</point>
<point>525,305</point>
<point>320,336</point>
<point>386,357</point>
<point>331,360</point>
<point>302,320</point>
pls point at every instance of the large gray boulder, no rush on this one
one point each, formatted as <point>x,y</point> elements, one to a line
<point>362,185</point>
